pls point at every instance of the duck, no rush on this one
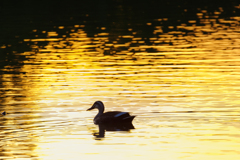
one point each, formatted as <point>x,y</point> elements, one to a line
<point>110,117</point>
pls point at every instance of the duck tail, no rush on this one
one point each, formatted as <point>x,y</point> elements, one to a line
<point>129,119</point>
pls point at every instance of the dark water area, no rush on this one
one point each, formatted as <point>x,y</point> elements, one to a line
<point>24,19</point>
<point>19,19</point>
<point>172,64</point>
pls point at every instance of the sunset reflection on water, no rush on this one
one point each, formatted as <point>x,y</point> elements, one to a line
<point>182,83</point>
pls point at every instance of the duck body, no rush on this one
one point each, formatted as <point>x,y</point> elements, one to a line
<point>110,117</point>
<point>113,117</point>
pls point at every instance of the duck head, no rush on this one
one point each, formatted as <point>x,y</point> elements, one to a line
<point>98,104</point>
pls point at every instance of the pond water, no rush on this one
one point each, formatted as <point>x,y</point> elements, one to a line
<point>181,80</point>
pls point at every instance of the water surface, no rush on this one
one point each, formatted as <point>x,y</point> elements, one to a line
<point>180,78</point>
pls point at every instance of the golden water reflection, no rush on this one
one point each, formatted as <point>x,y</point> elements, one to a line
<point>183,86</point>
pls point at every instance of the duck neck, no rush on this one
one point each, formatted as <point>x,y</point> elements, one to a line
<point>100,110</point>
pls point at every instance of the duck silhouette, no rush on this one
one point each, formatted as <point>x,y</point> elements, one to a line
<point>110,117</point>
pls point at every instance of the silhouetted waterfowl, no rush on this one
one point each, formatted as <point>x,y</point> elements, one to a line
<point>110,117</point>
<point>3,113</point>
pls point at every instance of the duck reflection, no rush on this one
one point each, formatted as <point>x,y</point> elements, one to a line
<point>113,127</point>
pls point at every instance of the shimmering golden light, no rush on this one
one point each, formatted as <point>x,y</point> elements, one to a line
<point>183,88</point>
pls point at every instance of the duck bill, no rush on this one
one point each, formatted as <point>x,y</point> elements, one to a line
<point>90,109</point>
